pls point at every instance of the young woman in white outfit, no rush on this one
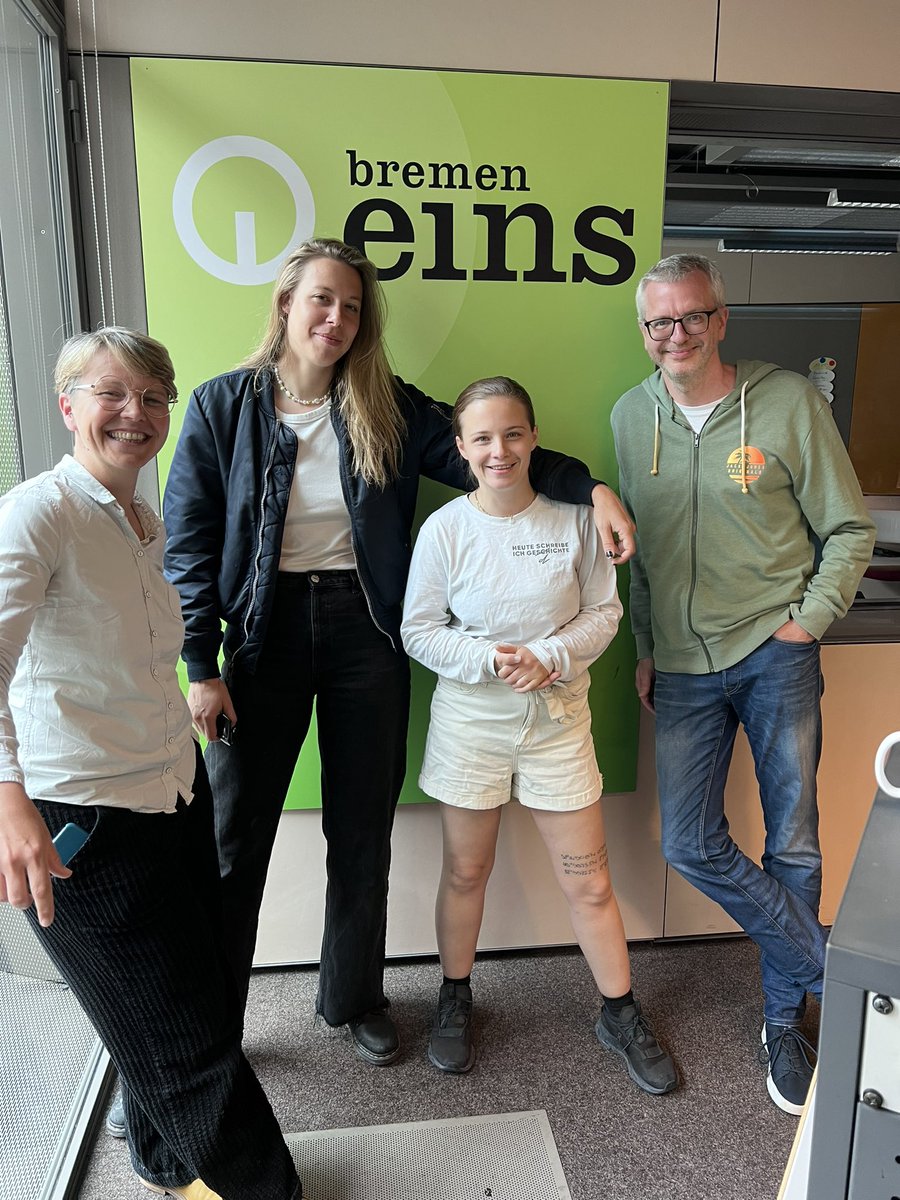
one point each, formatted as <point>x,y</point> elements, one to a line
<point>510,599</point>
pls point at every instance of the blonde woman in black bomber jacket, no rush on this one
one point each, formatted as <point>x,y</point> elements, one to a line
<point>289,507</point>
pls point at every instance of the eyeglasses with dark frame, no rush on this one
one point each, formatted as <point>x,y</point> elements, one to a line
<point>661,329</point>
<point>112,394</point>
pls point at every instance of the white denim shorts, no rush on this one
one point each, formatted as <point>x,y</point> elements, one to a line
<point>488,744</point>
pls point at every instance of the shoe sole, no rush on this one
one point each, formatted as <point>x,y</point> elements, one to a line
<point>375,1060</point>
<point>775,1096</point>
<point>156,1189</point>
<point>463,1070</point>
<point>605,1039</point>
<point>116,1131</point>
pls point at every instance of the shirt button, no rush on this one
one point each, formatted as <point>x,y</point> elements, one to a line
<point>154,672</point>
<point>168,770</point>
<point>170,741</point>
<point>140,554</point>
<point>153,633</point>
<point>147,594</point>
<point>170,704</point>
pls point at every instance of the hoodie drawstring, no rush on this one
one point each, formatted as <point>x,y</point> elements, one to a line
<point>654,469</point>
<point>744,487</point>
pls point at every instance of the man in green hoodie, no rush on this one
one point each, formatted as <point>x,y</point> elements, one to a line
<point>752,538</point>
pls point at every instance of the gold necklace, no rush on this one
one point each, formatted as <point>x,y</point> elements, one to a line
<point>473,496</point>
<point>283,387</point>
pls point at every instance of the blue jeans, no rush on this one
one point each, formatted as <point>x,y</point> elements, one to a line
<point>321,645</point>
<point>138,937</point>
<point>775,694</point>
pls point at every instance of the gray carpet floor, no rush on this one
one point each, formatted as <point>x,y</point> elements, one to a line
<point>719,1137</point>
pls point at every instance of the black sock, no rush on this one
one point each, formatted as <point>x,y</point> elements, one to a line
<point>615,1004</point>
<point>466,981</point>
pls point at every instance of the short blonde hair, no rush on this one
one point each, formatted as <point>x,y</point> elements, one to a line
<point>138,352</point>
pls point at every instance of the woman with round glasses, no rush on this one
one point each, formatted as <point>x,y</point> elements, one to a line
<point>290,505</point>
<point>112,394</point>
<point>95,734</point>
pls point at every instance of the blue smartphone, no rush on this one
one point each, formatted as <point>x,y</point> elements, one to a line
<point>69,841</point>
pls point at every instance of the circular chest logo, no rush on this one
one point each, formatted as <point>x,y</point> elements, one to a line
<point>745,465</point>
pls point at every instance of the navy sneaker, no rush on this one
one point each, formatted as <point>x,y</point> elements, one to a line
<point>630,1036</point>
<point>451,1046</point>
<point>791,1060</point>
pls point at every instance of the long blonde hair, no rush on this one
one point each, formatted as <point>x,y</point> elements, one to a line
<point>365,385</point>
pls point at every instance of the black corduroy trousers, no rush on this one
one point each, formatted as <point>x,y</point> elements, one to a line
<point>138,937</point>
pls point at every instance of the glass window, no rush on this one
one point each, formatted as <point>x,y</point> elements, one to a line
<point>36,275</point>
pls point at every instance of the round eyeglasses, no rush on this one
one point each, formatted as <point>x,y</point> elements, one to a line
<point>662,328</point>
<point>112,394</point>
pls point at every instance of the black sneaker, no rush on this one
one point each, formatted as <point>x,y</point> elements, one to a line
<point>451,1047</point>
<point>791,1060</point>
<point>630,1036</point>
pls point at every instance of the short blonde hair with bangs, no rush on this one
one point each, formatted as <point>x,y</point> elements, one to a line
<point>138,352</point>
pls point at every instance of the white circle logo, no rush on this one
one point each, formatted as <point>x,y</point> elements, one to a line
<point>246,272</point>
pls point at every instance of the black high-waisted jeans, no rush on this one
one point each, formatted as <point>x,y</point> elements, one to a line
<point>322,644</point>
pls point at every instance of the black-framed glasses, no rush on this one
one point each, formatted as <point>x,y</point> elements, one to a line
<point>112,394</point>
<point>662,328</point>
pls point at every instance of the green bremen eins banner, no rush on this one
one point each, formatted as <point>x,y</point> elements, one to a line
<point>510,217</point>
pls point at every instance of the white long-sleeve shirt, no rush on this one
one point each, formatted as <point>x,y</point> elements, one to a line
<point>90,633</point>
<point>537,579</point>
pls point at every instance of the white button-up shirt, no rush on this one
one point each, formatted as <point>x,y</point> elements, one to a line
<point>91,711</point>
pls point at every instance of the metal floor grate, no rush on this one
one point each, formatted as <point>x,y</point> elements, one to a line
<point>45,1043</point>
<point>508,1157</point>
<point>20,951</point>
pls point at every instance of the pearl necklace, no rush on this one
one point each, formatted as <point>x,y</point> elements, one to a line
<point>285,390</point>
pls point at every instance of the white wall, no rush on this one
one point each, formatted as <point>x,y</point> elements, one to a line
<point>806,43</point>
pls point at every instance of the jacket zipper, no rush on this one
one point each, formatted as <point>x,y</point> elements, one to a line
<point>695,510</point>
<point>345,490</point>
<point>254,584</point>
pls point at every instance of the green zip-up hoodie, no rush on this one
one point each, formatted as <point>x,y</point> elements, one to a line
<point>727,521</point>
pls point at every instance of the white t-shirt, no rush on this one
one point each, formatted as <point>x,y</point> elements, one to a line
<point>698,414</point>
<point>317,526</point>
<point>538,579</point>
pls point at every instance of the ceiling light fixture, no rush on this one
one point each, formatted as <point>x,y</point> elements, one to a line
<point>860,198</point>
<point>786,241</point>
<point>725,195</point>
